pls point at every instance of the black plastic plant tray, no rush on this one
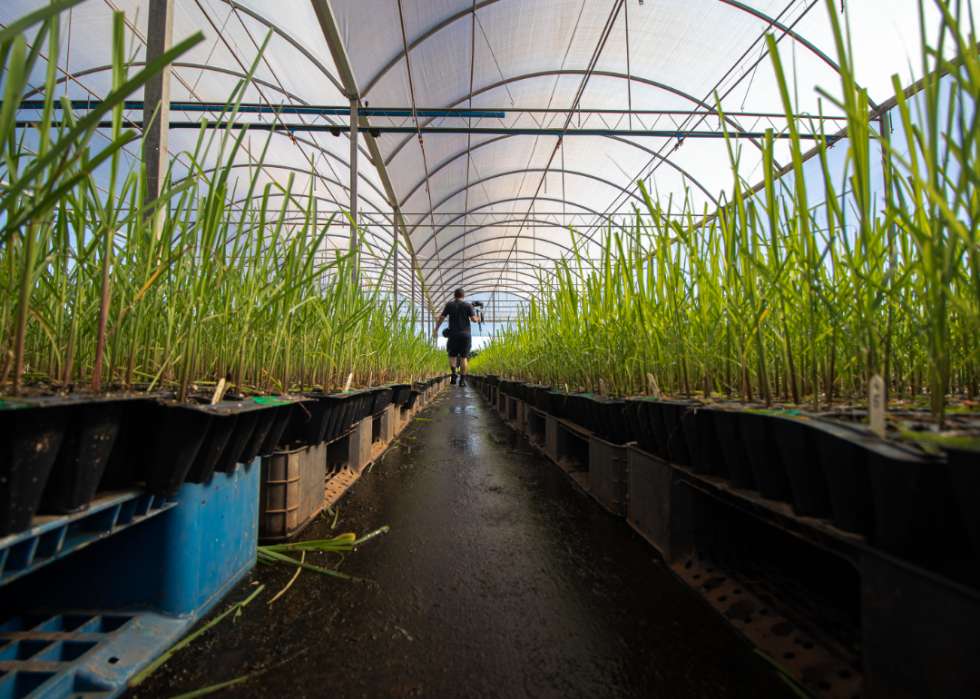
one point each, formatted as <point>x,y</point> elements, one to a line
<point>758,434</point>
<point>382,399</point>
<point>31,435</point>
<point>234,451</point>
<point>232,425</point>
<point>284,416</point>
<point>306,422</point>
<point>734,453</point>
<point>844,462</point>
<point>267,419</point>
<point>317,420</point>
<point>352,413</point>
<point>673,414</point>
<point>337,415</point>
<point>631,412</point>
<point>912,498</point>
<point>797,442</point>
<point>89,438</point>
<point>412,397</point>
<point>401,393</point>
<point>964,475</point>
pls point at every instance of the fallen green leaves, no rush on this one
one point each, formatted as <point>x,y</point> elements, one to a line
<point>156,664</point>
<point>272,555</point>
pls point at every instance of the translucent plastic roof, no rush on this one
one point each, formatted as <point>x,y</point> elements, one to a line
<point>488,210</point>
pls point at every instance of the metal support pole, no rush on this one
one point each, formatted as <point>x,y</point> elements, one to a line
<point>394,252</point>
<point>353,185</point>
<point>159,39</point>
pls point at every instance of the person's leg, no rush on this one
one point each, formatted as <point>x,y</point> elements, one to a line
<point>451,349</point>
<point>463,349</point>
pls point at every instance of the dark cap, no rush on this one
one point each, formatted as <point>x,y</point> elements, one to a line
<point>459,293</point>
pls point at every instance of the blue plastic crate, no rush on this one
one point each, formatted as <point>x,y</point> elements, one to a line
<point>79,655</point>
<point>139,590</point>
<point>51,538</point>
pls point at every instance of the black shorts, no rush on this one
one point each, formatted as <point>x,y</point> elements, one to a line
<point>459,346</point>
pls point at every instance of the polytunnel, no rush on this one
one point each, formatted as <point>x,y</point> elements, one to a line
<point>719,436</point>
<point>497,126</point>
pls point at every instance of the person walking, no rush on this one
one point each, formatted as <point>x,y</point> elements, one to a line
<point>458,341</point>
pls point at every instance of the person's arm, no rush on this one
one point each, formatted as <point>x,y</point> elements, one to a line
<point>435,333</point>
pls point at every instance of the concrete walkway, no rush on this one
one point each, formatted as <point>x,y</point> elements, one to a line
<point>498,579</point>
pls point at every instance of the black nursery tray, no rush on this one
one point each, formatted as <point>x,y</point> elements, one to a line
<point>62,442</point>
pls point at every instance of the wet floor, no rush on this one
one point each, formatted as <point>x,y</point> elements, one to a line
<point>499,578</point>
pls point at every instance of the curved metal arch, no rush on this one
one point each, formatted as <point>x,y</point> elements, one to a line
<point>242,76</point>
<point>459,15</point>
<point>522,171</point>
<point>458,268</point>
<point>289,39</point>
<point>459,273</point>
<point>469,231</point>
<point>492,252</point>
<point>495,273</point>
<point>502,288</point>
<point>291,168</point>
<point>421,39</point>
<point>507,288</point>
<point>369,227</point>
<point>578,71</point>
<point>510,199</point>
<point>648,151</point>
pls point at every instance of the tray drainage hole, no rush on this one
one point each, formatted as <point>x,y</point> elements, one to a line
<point>697,576</point>
<point>722,598</point>
<point>737,591</point>
<point>790,655</point>
<point>711,570</point>
<point>688,564</point>
<point>824,685</point>
<point>748,620</point>
<point>763,611</point>
<point>113,660</point>
<point>844,675</point>
<point>808,645</point>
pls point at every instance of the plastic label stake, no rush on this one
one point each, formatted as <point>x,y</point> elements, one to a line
<point>876,405</point>
<point>219,392</point>
<point>654,389</point>
<point>350,377</point>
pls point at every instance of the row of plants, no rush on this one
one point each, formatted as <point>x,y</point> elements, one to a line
<point>790,295</point>
<point>751,343</point>
<point>148,341</point>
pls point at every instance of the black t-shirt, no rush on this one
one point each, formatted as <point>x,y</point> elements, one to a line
<point>459,314</point>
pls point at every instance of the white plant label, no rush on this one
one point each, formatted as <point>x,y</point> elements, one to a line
<point>219,391</point>
<point>654,389</point>
<point>566,389</point>
<point>350,377</point>
<point>876,405</point>
<point>370,379</point>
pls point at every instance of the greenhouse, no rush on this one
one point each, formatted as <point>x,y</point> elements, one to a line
<point>597,348</point>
